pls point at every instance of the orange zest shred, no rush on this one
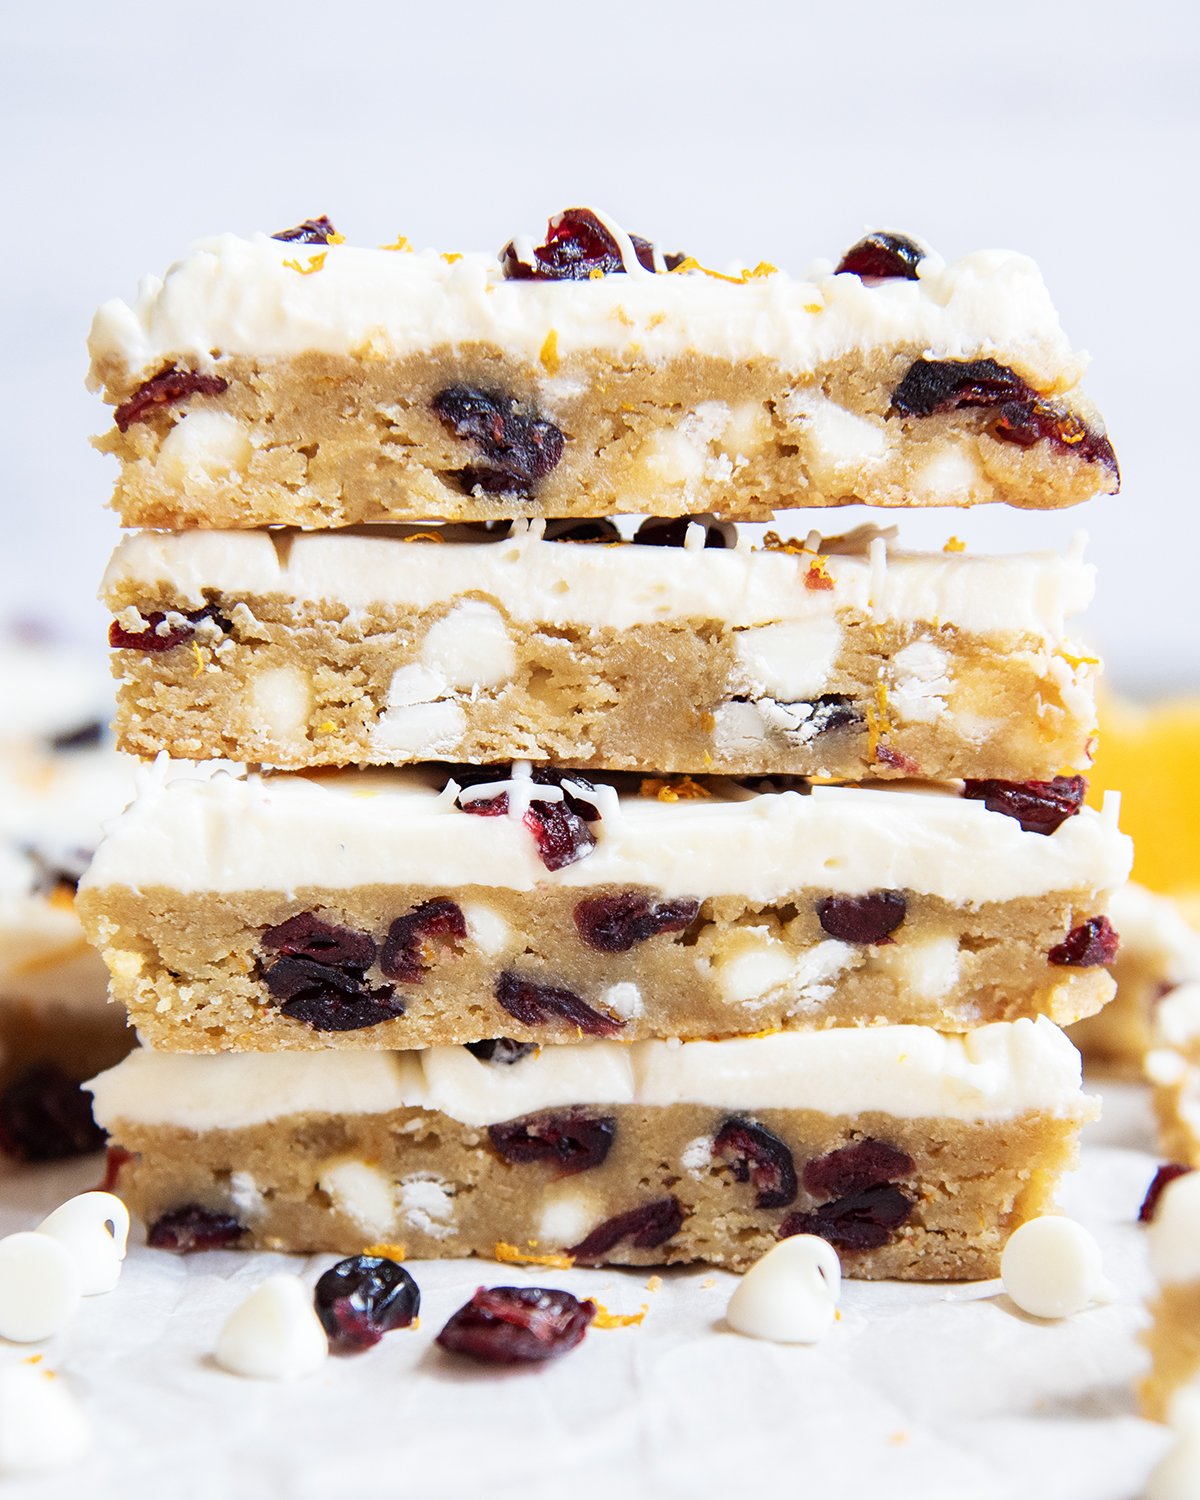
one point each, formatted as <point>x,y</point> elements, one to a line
<point>336,239</point>
<point>605,1319</point>
<point>595,274</point>
<point>509,1255</point>
<point>386,1252</point>
<point>681,789</point>
<point>315,262</point>
<point>425,536</point>
<point>954,545</point>
<point>402,243</point>
<point>1079,661</point>
<point>654,1284</point>
<point>327,728</point>
<point>199,672</point>
<point>690,263</point>
<point>450,256</point>
<point>549,353</point>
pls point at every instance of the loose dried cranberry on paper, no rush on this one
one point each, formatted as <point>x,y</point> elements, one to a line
<point>1089,945</point>
<point>571,1140</point>
<point>1039,806</point>
<point>517,1325</point>
<point>362,1298</point>
<point>758,1154</point>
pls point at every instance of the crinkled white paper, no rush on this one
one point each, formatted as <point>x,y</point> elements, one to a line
<point>920,1393</point>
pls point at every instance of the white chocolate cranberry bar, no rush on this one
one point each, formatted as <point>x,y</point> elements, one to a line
<point>915,1154</point>
<point>1173,1337</point>
<point>393,909</point>
<point>831,658</point>
<point>298,380</point>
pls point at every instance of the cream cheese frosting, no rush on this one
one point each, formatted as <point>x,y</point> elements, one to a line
<point>620,587</point>
<point>270,298</point>
<point>218,832</point>
<point>911,1072</point>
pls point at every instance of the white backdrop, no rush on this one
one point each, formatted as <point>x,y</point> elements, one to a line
<point>773,130</point>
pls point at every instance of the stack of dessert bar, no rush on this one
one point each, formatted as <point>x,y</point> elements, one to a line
<point>626,895</point>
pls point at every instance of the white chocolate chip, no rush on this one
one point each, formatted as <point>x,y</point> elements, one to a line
<point>41,1425</point>
<point>284,699</point>
<point>471,647</point>
<point>39,1286</point>
<point>1051,1268</point>
<point>275,1334</point>
<point>204,445</point>
<point>789,1296</point>
<point>362,1193</point>
<point>94,1228</point>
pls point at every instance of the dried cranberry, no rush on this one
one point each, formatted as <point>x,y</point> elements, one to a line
<point>862,919</point>
<point>194,1227</point>
<point>362,1298</point>
<point>509,1325</point>
<point>306,936</point>
<point>570,529</point>
<point>577,244</point>
<point>615,924</point>
<point>402,956</point>
<point>1162,1179</point>
<point>580,806</point>
<point>115,1158</point>
<point>661,531</point>
<point>829,712</point>
<point>311,232</point>
<point>883,255</point>
<point>938,385</point>
<point>517,447</point>
<point>535,1004</point>
<point>329,999</point>
<point>646,1228</point>
<point>561,835</point>
<point>887,755</point>
<point>83,738</point>
<point>502,1050</point>
<point>757,1153</point>
<point>151,640</point>
<point>46,1116</point>
<point>860,1221</point>
<point>164,389</point>
<point>572,1140</point>
<point>1087,946</point>
<point>1039,806</point>
<point>851,1169</point>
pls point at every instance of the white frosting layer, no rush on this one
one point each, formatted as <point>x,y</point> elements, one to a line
<point>1174,1233</point>
<point>237,296</point>
<point>561,583</point>
<point>216,832</point>
<point>911,1072</point>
